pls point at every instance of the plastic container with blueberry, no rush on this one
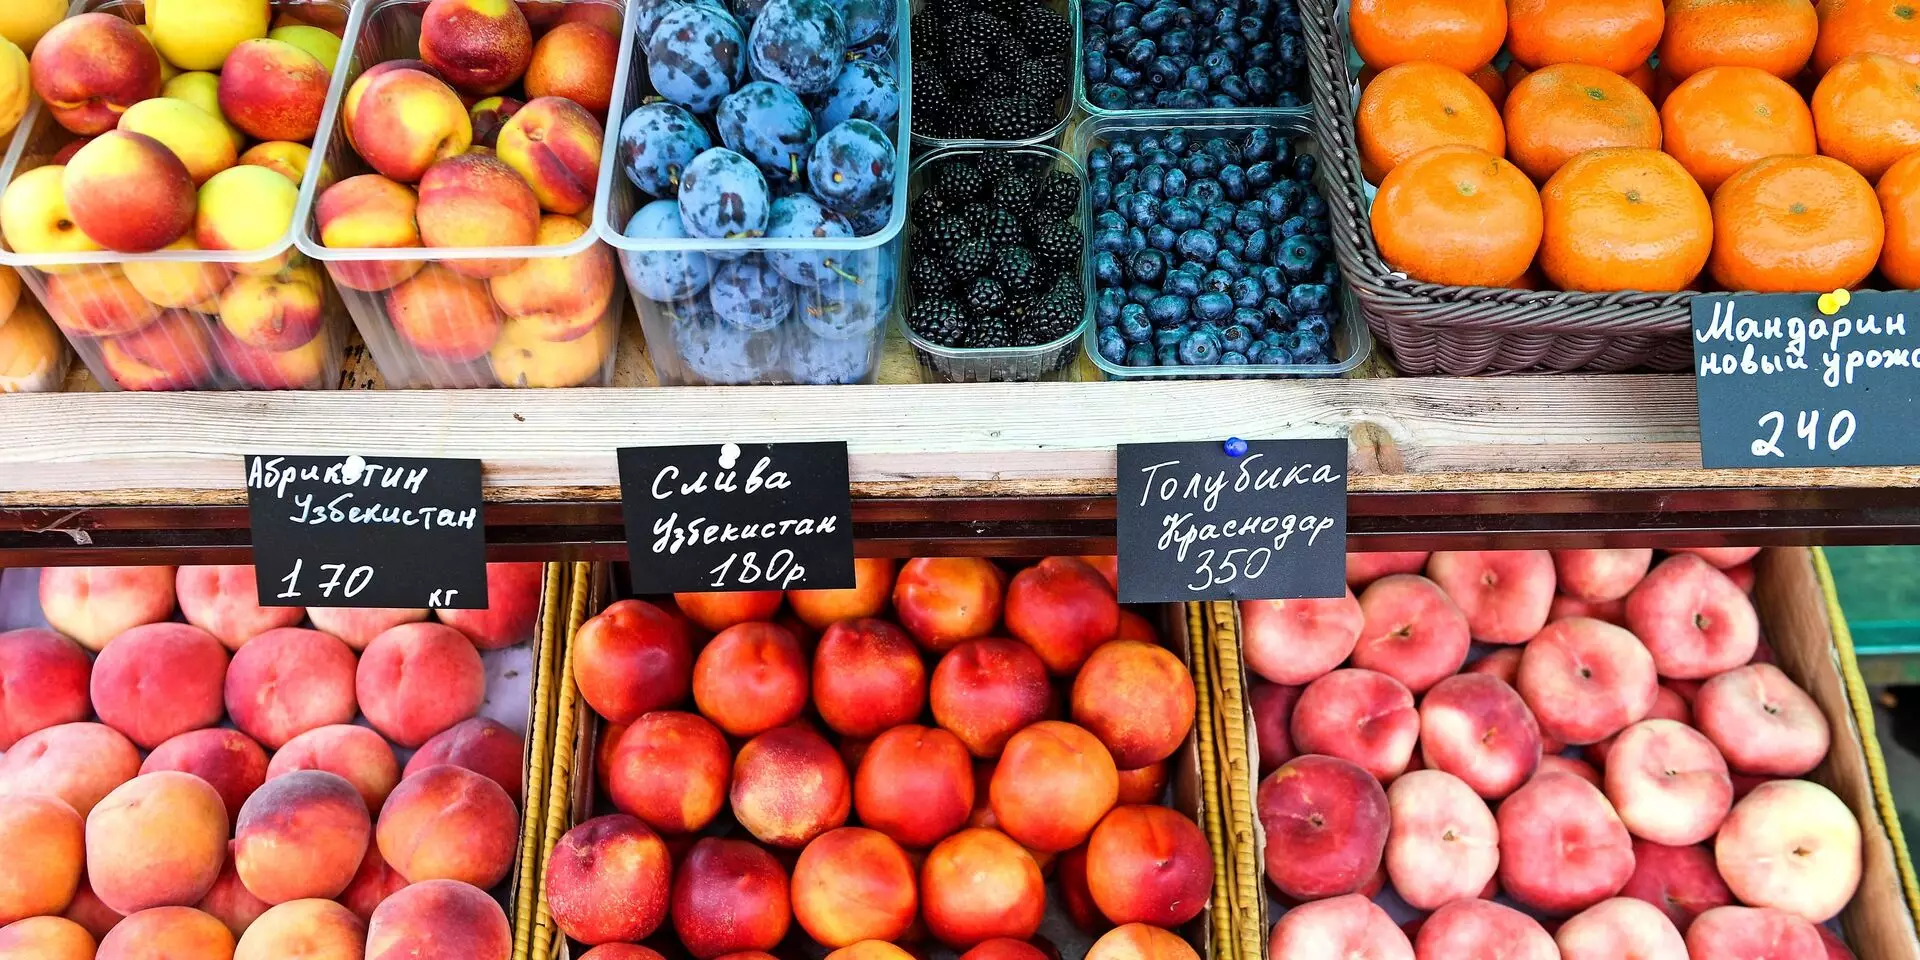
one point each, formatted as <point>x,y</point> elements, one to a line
<point>1168,59</point>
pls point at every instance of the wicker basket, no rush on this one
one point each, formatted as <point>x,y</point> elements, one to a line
<point>1462,331</point>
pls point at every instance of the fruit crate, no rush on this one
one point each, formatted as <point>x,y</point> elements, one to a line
<point>940,363</point>
<point>1351,343</point>
<point>836,326</point>
<point>175,318</point>
<point>545,314</point>
<point>586,742</point>
<point>1053,136</point>
<point>1282,26</point>
<point>179,670</point>
<point>1799,622</point>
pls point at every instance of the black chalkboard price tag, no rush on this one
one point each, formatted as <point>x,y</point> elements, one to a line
<point>1808,380</point>
<point>1241,520</point>
<point>360,531</point>
<point>731,517</point>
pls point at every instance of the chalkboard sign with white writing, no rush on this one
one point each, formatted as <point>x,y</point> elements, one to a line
<point>735,517</point>
<point>1198,522</point>
<point>367,532</point>
<point>1785,383</point>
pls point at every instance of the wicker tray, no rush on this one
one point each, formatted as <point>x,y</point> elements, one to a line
<point>1462,331</point>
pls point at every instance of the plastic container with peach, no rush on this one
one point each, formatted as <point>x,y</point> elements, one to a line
<point>463,143</point>
<point>151,188</point>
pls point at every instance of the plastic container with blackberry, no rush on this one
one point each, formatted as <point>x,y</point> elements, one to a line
<point>993,71</point>
<point>1170,58</point>
<point>1209,253</point>
<point>759,188</point>
<point>994,282</point>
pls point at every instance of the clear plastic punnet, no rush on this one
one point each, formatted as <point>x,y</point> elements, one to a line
<point>802,291</point>
<point>227,303</point>
<point>458,224</point>
<point>1064,105</point>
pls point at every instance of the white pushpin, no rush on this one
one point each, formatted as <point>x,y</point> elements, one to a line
<point>729,455</point>
<point>352,467</point>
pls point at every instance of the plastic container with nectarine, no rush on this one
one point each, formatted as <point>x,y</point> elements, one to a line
<point>455,204</point>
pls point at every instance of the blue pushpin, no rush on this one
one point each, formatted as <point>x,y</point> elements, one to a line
<point>1236,447</point>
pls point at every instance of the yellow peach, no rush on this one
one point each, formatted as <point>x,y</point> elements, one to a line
<point>245,208</point>
<point>167,70</point>
<point>24,22</point>
<point>555,144</point>
<point>177,284</point>
<point>16,86</point>
<point>34,217</point>
<point>129,192</point>
<point>278,312</point>
<point>198,34</point>
<point>369,211</point>
<point>32,355</point>
<point>199,140</point>
<point>174,352</point>
<point>560,297</point>
<point>97,302</point>
<point>477,201</point>
<point>523,358</point>
<point>305,367</point>
<point>203,91</point>
<point>405,120</point>
<point>444,315</point>
<point>323,44</point>
<point>283,157</point>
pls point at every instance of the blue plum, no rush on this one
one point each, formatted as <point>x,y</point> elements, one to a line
<point>852,167</point>
<point>663,274</point>
<point>799,216</point>
<point>767,123</point>
<point>657,141</point>
<point>816,359</point>
<point>799,44</point>
<point>718,352</point>
<point>867,21</point>
<point>696,56</point>
<point>723,196</point>
<point>749,293</point>
<point>841,308</point>
<point>864,90</point>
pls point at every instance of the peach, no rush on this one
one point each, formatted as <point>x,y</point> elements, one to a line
<point>945,600</point>
<point>1053,784</point>
<point>202,89</point>
<point>1473,927</point>
<point>448,823</point>
<point>914,784</point>
<point>715,612</point>
<point>1668,704</point>
<point>1005,948</point>
<point>480,744</point>
<point>865,950</point>
<point>372,884</point>
<point>43,682</point>
<point>481,46</point>
<point>273,90</point>
<point>230,902</point>
<point>444,316</point>
<point>555,144</point>
<point>247,208</point>
<point>1063,609</point>
<point>488,116</point>
<point>750,679</point>
<point>307,367</point>
<point>224,601</point>
<point>1358,715</point>
<point>1070,869</point>
<point>1600,575</point>
<point>1752,934</point>
<point>357,627</point>
<point>873,583</point>
<point>98,302</point>
<point>1620,929</point>
<point>1562,846</point>
<point>1762,722</point>
<point>789,786</point>
<point>1443,844</point>
<point>1693,619</point>
<point>1836,948</point>
<point>1724,558</point>
<point>418,679</point>
<point>228,760</point>
<point>90,68</point>
<point>1136,627</point>
<point>45,845</point>
<point>156,681</point>
<point>562,297</point>
<point>78,762</point>
<point>1791,845</point>
<point>288,681</point>
<point>369,211</point>
<point>474,200</point>
<point>278,311</point>
<point>404,120</point>
<point>868,678</point>
<point>304,930</point>
<point>1504,593</point>
<point>632,658</point>
<point>1326,821</point>
<point>350,104</point>
<point>1586,680</point>
<point>985,691</point>
<point>45,938</point>
<point>1143,784</point>
<point>728,896</point>
<point>283,157</point>
<point>156,840</point>
<point>163,933</point>
<point>34,214</point>
<point>523,358</point>
<point>1411,631</point>
<point>853,884</point>
<point>197,138</point>
<point>575,61</point>
<point>95,604</point>
<point>174,352</point>
<point>978,885</point>
<point>98,918</point>
<point>355,753</point>
<point>1272,706</point>
<point>608,880</point>
<point>602,15</point>
<point>1348,927</point>
<point>1149,864</point>
<point>1744,577</point>
<point>513,607</point>
<point>1138,698</point>
<point>1611,611</point>
<point>301,836</point>
<point>1365,568</point>
<point>439,920</point>
<point>671,770</point>
<point>1298,641</point>
<point>1668,783</point>
<point>1682,881</point>
<point>1477,728</point>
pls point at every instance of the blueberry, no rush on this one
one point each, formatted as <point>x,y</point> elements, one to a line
<point>800,44</point>
<point>799,216</point>
<point>1249,319</point>
<point>1236,338</point>
<point>1111,345</point>
<point>1299,256</point>
<point>1124,158</point>
<point>1329,273</point>
<point>1277,314</point>
<point>1201,348</point>
<point>1177,42</point>
<point>1142,293</point>
<point>1231,242</point>
<point>1256,352</point>
<point>1260,84</point>
<point>1148,266</point>
<point>1167,356</point>
<point>1311,205</point>
<point>1235,89</point>
<point>1107,270</point>
<point>657,141</point>
<point>767,123</point>
<point>1198,245</point>
<point>1149,144</point>
<point>1246,292</point>
<point>1257,246</point>
<point>1230,262</point>
<point>1276,356</point>
<point>1111,241</point>
<point>695,56</point>
<point>1169,336</point>
<point>1180,283</point>
<point>1095,65</point>
<point>1304,166</point>
<point>1212,307</point>
<point>1156,20</point>
<point>1205,192</point>
<point>723,196</point>
<point>1140,355</point>
<point>1281,200</point>
<point>864,90</point>
<point>1273,281</point>
<point>1296,225</point>
<point>1111,220</point>
<point>1124,15</point>
<point>1141,208</point>
<point>664,274</point>
<point>1168,310</point>
<point>1108,304</point>
<point>1316,326</point>
<point>1100,193</point>
<point>1232,358</point>
<point>1140,53</point>
<point>1134,324</point>
<point>1193,268</point>
<point>1310,298</point>
<point>1202,167</point>
<point>751,294</point>
<point>1233,182</point>
<point>1153,179</point>
<point>1217,281</point>
<point>852,165</point>
<point>1161,237</point>
<point>1096,11</point>
<point>1180,213</point>
<point>1126,76</point>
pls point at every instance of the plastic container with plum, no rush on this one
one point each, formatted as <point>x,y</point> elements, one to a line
<point>757,194</point>
<point>454,207</point>
<point>155,219</point>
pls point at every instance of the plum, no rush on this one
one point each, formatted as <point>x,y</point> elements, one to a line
<point>723,196</point>
<point>657,141</point>
<point>719,352</point>
<point>799,44</point>
<point>864,90</point>
<point>815,359</point>
<point>694,56</point>
<point>750,294</point>
<point>852,167</point>
<point>800,215</point>
<point>767,123</point>
<point>664,274</point>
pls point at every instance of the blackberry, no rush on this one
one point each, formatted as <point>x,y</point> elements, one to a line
<point>999,85</point>
<point>958,181</point>
<point>986,30</point>
<point>928,277</point>
<point>985,295</point>
<point>950,233</point>
<point>969,259</point>
<point>939,320</point>
<point>1003,229</point>
<point>926,37</point>
<point>1046,78</point>
<point>1059,196</point>
<point>1016,270</point>
<point>1046,31</point>
<point>1016,118</point>
<point>1007,11</point>
<point>968,63</point>
<point>1058,245</point>
<point>929,206</point>
<point>990,333</point>
<point>1052,317</point>
<point>1013,194</point>
<point>996,164</point>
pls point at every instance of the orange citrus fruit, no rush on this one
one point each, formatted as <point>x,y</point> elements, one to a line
<point>1787,224</point>
<point>1773,35</point>
<point>1462,34</point>
<point>1723,118</point>
<point>1492,81</point>
<point>1899,193</point>
<point>1848,27</point>
<point>1413,106</point>
<point>1457,215</point>
<point>1569,108</point>
<point>1866,112</point>
<point>1623,218</point>
<point>1616,35</point>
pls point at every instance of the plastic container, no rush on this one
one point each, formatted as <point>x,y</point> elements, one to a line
<point>1052,136</point>
<point>835,331</point>
<point>460,326</point>
<point>1001,364</point>
<point>184,319</point>
<point>1082,94</point>
<point>33,356</point>
<point>1351,341</point>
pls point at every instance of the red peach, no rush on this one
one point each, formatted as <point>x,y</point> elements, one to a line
<point>127,191</point>
<point>418,679</point>
<point>1586,680</point>
<point>1752,934</point>
<point>1668,783</point>
<point>288,681</point>
<point>1348,927</point>
<point>632,658</point>
<point>482,46</point>
<point>357,627</point>
<point>1482,928</point>
<point>1054,783</point>
<point>231,903</point>
<point>96,302</point>
<point>160,680</point>
<point>575,61</point>
<point>1762,722</point>
<point>156,840</point>
<point>1599,576</point>
<point>175,352</point>
<point>372,884</point>
<point>43,683</point>
<point>477,200</point>
<point>870,950</point>
<point>78,762</point>
<point>404,119</point>
<point>671,770</point>
<point>1478,729</point>
<point>354,753</point>
<point>301,836</point>
<point>45,849</point>
<point>1667,705</point>
<point>447,823</point>
<point>90,68</point>
<point>985,691</point>
<point>1744,577</point>
<point>1682,881</point>
<point>1504,593</point>
<point>166,932</point>
<point>914,784</point>
<point>750,679</point>
<point>228,760</point>
<point>1365,568</point>
<point>1411,631</point>
<point>609,880</point>
<point>1136,627</point>
<point>867,677</point>
<point>715,612</point>
<point>729,896</point>
<point>1006,948</point>
<point>45,938</point>
<point>872,585</point>
<point>1565,607</point>
<point>1562,847</point>
<point>304,930</point>
<point>978,885</point>
<point>789,786</point>
<point>945,600</point>
<point>1693,619</point>
<point>225,601</point>
<point>1443,844</point>
<point>273,90</point>
<point>439,919</point>
<point>98,918</point>
<point>629,951</point>
<point>1076,894</point>
<point>1724,558</point>
<point>1326,821</point>
<point>1143,784</point>
<point>1620,929</point>
<point>369,211</point>
<point>95,604</point>
<point>513,605</point>
<point>1791,845</point>
<point>555,144</point>
<point>853,884</point>
<point>1063,609</point>
<point>444,315</point>
<point>1358,715</point>
<point>1272,706</point>
<point>1298,641</point>
<point>480,744</point>
<point>1148,864</point>
<point>1137,698</point>
<point>1836,949</point>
